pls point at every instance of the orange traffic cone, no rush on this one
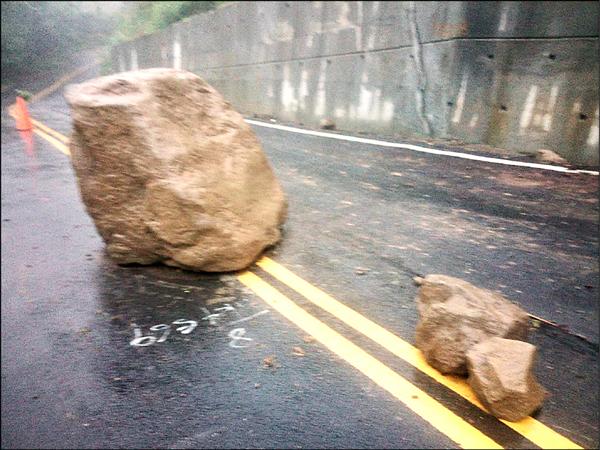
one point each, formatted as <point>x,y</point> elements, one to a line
<point>22,115</point>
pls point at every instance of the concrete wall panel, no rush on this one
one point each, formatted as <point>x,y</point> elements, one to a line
<point>517,75</point>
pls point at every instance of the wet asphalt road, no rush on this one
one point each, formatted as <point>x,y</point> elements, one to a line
<point>363,221</point>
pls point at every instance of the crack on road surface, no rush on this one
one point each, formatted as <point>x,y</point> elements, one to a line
<point>418,59</point>
<point>400,264</point>
<point>565,330</point>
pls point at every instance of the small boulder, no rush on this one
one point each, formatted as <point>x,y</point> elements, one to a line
<point>327,124</point>
<point>548,156</point>
<point>501,375</point>
<point>171,173</point>
<point>455,315</point>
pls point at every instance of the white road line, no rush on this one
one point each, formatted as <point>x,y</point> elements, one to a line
<point>417,148</point>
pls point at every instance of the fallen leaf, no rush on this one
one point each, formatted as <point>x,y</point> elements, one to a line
<point>308,339</point>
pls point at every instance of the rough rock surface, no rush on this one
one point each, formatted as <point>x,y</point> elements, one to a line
<point>327,124</point>
<point>171,173</point>
<point>455,315</point>
<point>501,374</point>
<point>548,156</point>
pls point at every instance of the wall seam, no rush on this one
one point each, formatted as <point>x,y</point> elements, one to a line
<point>421,75</point>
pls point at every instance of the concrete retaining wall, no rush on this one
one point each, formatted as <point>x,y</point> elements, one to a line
<point>516,75</point>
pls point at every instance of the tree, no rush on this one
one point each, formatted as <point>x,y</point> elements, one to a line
<point>145,17</point>
<point>39,34</point>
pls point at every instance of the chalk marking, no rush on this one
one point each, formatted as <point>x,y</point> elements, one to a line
<point>245,319</point>
<point>212,319</point>
<point>237,334</point>
<point>162,326</point>
<point>530,428</point>
<point>187,329</point>
<point>138,340</point>
<point>447,422</point>
<point>143,341</point>
<point>417,148</point>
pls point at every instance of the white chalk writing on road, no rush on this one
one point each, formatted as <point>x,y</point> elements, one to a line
<point>236,336</point>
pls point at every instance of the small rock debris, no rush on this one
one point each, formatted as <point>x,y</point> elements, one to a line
<point>269,361</point>
<point>298,351</point>
<point>308,339</point>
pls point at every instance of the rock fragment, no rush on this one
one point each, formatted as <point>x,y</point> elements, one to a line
<point>327,124</point>
<point>298,351</point>
<point>548,156</point>
<point>455,315</point>
<point>418,281</point>
<point>501,375</point>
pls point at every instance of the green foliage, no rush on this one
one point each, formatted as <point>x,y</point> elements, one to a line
<point>25,95</point>
<point>37,35</point>
<point>145,17</point>
<point>40,35</point>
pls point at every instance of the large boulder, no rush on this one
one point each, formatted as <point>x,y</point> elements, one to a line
<point>501,375</point>
<point>455,315</point>
<point>171,173</point>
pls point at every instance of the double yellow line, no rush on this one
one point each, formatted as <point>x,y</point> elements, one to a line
<point>57,139</point>
<point>54,137</point>
<point>530,428</point>
<point>58,83</point>
<point>453,426</point>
